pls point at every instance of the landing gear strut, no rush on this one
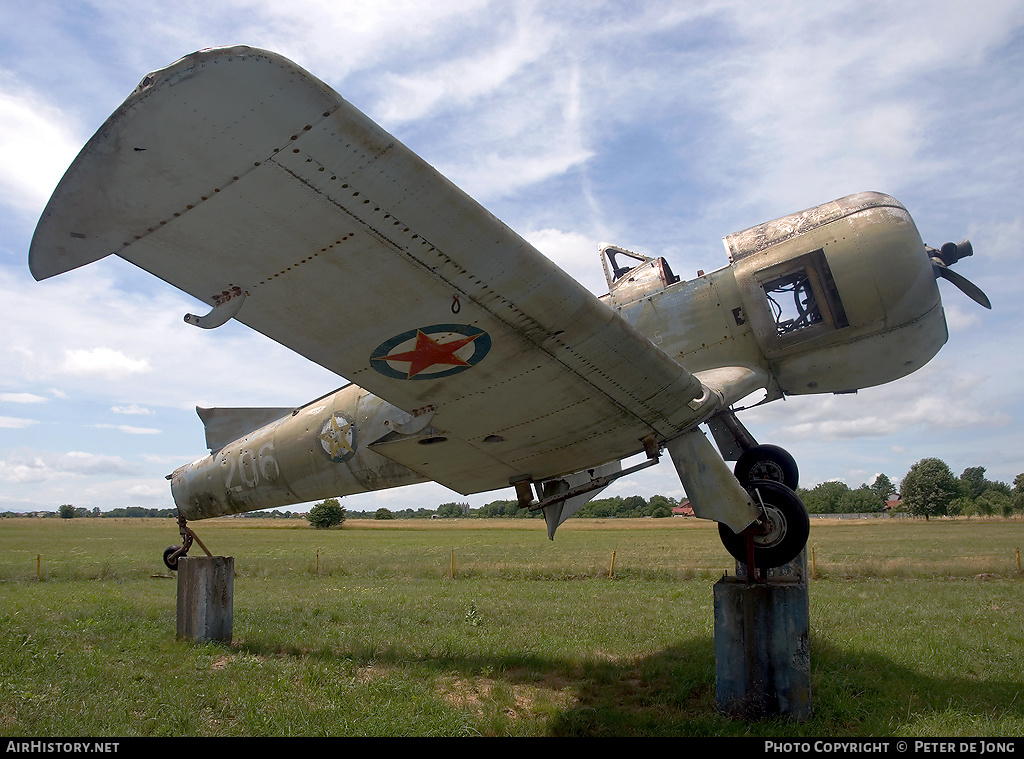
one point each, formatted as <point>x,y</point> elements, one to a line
<point>778,536</point>
<point>173,553</point>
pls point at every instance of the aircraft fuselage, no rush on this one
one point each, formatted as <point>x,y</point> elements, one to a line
<point>830,300</point>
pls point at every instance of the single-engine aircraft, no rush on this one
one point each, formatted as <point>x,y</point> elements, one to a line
<point>473,360</point>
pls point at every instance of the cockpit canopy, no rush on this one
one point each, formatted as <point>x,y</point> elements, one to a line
<point>637,276</point>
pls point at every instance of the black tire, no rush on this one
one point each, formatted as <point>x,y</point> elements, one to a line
<point>168,562</point>
<point>767,462</point>
<point>782,536</point>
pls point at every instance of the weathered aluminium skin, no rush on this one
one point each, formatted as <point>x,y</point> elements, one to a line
<point>250,184</point>
<point>717,322</point>
<point>892,322</point>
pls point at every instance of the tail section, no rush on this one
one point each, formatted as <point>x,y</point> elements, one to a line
<point>226,425</point>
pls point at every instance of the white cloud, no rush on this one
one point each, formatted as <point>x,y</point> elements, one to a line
<point>128,429</point>
<point>103,362</point>
<point>132,410</point>
<point>81,462</point>
<point>575,252</point>
<point>742,107</point>
<point>454,82</point>
<point>15,423</point>
<point>959,320</point>
<point>829,99</point>
<point>28,466</point>
<point>22,398</point>
<point>146,491</point>
<point>36,143</point>
<point>173,460</point>
<point>936,398</point>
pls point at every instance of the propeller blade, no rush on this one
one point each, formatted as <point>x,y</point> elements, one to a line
<point>968,288</point>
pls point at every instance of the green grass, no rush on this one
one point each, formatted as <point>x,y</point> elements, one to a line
<point>915,631</point>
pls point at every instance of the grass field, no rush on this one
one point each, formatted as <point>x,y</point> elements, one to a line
<point>916,630</point>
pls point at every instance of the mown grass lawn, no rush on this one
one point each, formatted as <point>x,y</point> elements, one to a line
<point>915,630</point>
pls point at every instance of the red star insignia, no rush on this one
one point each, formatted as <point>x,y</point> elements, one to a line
<point>428,353</point>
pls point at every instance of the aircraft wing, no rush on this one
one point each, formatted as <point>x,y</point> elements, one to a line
<point>248,183</point>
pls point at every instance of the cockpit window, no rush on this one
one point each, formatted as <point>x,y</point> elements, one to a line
<point>793,302</point>
<point>802,298</point>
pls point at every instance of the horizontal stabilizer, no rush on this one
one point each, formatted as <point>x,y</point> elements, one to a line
<point>226,425</point>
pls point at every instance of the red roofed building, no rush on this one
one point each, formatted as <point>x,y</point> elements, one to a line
<point>683,510</point>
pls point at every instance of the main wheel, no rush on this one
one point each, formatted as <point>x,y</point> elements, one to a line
<point>767,462</point>
<point>779,535</point>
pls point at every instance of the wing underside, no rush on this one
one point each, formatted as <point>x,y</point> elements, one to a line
<point>233,172</point>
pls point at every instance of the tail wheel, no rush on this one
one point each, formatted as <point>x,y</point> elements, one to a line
<point>171,557</point>
<point>779,535</point>
<point>767,462</point>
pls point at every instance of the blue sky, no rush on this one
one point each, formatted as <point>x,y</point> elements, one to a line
<point>657,126</point>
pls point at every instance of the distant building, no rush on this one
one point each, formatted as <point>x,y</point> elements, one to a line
<point>683,510</point>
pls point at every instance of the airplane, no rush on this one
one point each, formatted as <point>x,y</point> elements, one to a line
<point>472,359</point>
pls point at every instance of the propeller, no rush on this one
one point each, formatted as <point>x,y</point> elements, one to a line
<point>948,255</point>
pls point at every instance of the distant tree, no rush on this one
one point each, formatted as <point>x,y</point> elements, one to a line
<point>972,481</point>
<point>633,506</point>
<point>136,512</point>
<point>527,514</point>
<point>1017,493</point>
<point>961,506</point>
<point>826,498</point>
<point>661,502</point>
<point>883,488</point>
<point>452,510</point>
<point>860,501</point>
<point>498,509</point>
<point>929,488</point>
<point>994,501</point>
<point>326,514</point>
<point>601,508</point>
<point>383,513</point>
<point>67,511</point>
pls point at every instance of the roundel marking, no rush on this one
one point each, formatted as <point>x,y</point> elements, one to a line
<point>440,350</point>
<point>338,438</point>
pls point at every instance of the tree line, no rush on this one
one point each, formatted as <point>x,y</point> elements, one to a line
<point>69,511</point>
<point>929,489</point>
<point>633,506</point>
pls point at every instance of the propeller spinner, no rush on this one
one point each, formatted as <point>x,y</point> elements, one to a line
<point>948,255</point>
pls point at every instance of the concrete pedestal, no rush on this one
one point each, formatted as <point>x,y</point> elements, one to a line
<point>762,648</point>
<point>206,592</point>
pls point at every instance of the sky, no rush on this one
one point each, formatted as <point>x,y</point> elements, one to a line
<point>657,126</point>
